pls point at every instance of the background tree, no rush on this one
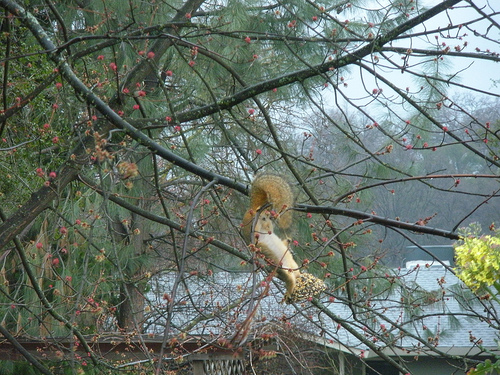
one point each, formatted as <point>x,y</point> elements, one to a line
<point>130,132</point>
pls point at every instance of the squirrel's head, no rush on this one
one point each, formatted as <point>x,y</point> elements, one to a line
<point>264,222</point>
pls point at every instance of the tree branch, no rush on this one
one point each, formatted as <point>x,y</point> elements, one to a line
<point>377,220</point>
<point>41,199</point>
<point>40,367</point>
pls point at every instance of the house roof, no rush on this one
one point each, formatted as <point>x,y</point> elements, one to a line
<point>440,311</point>
<point>441,314</point>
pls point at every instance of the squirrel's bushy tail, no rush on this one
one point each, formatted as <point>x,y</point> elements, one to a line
<point>276,191</point>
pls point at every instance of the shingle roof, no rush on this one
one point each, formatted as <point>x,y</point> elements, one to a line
<point>442,311</point>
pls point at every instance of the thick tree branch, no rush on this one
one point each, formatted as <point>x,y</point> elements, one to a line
<point>44,196</point>
<point>363,216</point>
<point>327,210</point>
<point>26,354</point>
<point>309,72</point>
<point>38,202</point>
<point>161,219</point>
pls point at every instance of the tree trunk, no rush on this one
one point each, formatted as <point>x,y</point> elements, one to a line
<point>131,310</point>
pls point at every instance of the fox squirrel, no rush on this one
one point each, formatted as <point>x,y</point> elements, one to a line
<point>270,199</point>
